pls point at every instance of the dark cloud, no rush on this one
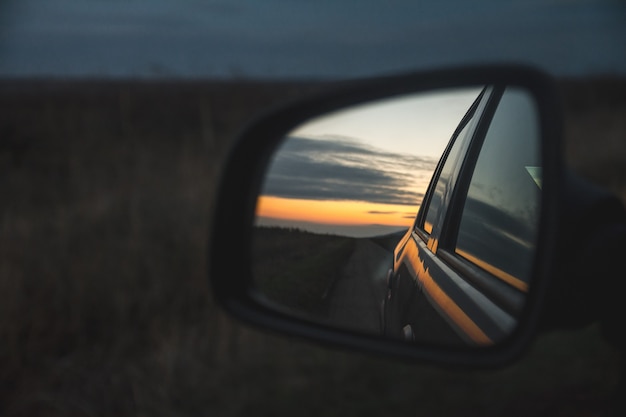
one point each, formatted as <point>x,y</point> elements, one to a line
<point>344,169</point>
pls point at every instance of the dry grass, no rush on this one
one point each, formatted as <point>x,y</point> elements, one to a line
<point>280,254</point>
<point>105,307</point>
<point>595,131</point>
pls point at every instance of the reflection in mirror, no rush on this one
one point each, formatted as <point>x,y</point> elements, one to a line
<point>339,195</point>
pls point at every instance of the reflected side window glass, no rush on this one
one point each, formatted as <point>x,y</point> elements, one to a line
<point>443,186</point>
<point>499,222</point>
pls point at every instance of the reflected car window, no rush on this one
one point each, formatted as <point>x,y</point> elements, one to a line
<point>459,146</point>
<point>500,217</point>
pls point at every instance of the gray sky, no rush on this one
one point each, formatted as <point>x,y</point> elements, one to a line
<point>304,39</point>
<point>347,169</point>
<point>412,124</point>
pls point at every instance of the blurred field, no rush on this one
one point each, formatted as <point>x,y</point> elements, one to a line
<point>105,309</point>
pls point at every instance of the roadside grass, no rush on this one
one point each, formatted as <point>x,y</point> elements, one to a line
<point>595,131</point>
<point>297,269</point>
<point>105,307</point>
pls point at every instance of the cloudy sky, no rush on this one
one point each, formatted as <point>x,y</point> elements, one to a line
<point>367,165</point>
<point>345,169</point>
<point>337,182</point>
<point>304,39</point>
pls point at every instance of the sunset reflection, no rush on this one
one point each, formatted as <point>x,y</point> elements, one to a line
<point>364,167</point>
<point>350,213</point>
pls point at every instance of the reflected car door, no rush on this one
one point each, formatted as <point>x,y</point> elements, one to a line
<point>469,250</point>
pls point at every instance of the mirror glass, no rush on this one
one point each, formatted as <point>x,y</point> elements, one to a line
<point>345,190</point>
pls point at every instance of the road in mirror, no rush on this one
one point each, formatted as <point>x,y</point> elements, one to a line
<point>338,196</point>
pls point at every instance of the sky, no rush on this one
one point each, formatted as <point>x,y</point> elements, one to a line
<point>361,171</point>
<point>304,39</point>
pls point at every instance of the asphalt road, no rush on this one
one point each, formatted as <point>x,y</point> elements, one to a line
<point>354,301</point>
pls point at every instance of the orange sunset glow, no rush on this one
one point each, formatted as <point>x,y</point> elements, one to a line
<point>330,212</point>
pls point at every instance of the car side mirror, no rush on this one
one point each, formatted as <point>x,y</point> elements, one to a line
<point>412,215</point>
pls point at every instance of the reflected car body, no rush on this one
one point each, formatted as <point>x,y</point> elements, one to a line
<point>461,273</point>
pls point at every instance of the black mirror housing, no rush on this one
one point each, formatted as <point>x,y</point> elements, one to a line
<point>230,259</point>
